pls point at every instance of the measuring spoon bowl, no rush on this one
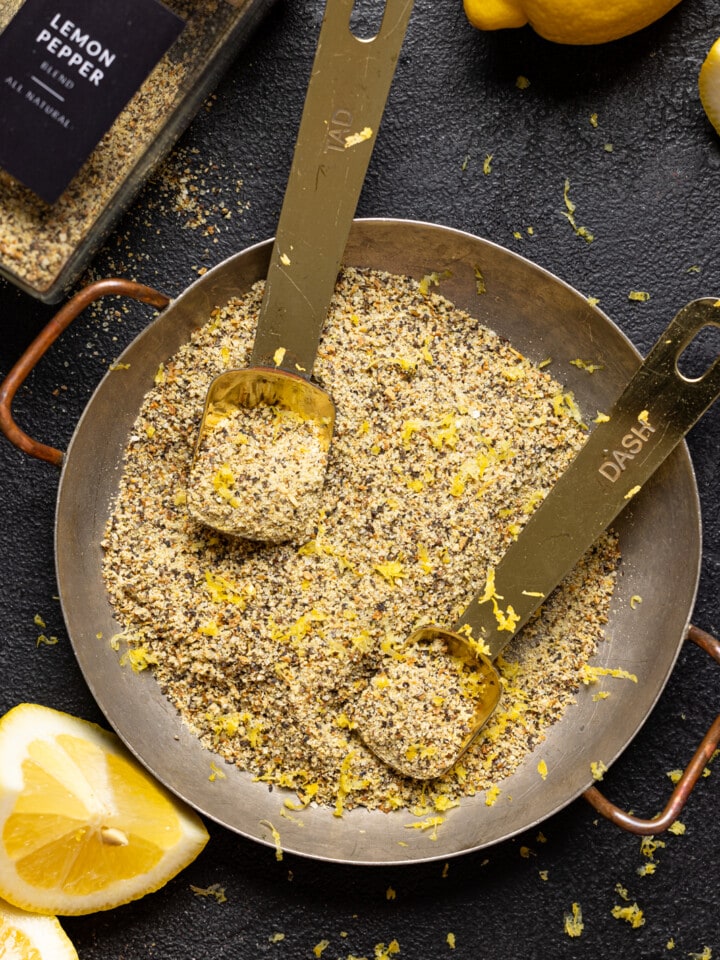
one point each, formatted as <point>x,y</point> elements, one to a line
<point>261,455</point>
<point>425,708</point>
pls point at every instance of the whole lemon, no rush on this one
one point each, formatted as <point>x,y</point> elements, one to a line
<point>709,85</point>
<point>569,21</point>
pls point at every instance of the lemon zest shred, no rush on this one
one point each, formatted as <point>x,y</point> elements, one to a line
<point>598,769</point>
<point>432,279</point>
<point>47,641</point>
<point>431,823</point>
<point>569,212</point>
<point>223,590</point>
<point>648,846</point>
<point>392,571</point>
<point>276,838</point>
<point>216,773</point>
<point>574,925</point>
<point>632,914</point>
<point>353,139</point>
<point>214,890</point>
<point>347,783</point>
<point>139,658</point>
<point>506,619</point>
<point>491,796</point>
<point>384,951</point>
<point>586,365</point>
<point>590,674</point>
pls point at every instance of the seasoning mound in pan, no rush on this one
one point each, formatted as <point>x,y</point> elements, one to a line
<point>446,439</point>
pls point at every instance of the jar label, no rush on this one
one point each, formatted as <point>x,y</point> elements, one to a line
<point>68,68</point>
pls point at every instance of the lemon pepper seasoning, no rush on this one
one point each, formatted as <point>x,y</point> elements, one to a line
<point>265,649</point>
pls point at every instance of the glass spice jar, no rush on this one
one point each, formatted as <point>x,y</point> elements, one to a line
<point>44,247</point>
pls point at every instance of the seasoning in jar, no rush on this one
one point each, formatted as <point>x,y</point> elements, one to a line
<point>44,246</point>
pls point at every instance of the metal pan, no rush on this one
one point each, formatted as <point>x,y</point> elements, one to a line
<point>542,317</point>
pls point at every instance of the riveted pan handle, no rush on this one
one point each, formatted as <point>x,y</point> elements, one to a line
<point>61,321</point>
<point>685,784</point>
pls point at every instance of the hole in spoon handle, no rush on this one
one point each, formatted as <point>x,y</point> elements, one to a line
<point>660,405</point>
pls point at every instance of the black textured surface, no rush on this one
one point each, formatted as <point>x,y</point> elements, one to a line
<point>652,204</point>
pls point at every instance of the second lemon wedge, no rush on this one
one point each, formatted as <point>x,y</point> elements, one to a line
<point>26,936</point>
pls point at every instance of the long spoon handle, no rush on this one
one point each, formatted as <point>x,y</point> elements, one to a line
<point>650,418</point>
<point>345,100</point>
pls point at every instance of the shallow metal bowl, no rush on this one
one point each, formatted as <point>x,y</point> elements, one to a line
<point>542,317</point>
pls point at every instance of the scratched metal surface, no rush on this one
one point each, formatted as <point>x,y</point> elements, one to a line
<point>651,203</point>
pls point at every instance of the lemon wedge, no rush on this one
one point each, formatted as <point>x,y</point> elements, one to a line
<point>82,826</point>
<point>569,21</point>
<point>709,85</point>
<point>26,936</point>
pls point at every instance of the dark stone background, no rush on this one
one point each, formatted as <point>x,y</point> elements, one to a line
<point>652,204</point>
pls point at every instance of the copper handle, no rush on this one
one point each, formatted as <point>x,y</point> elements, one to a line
<point>61,321</point>
<point>690,776</point>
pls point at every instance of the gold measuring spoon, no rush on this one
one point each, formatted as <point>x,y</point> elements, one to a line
<point>265,433</point>
<point>421,721</point>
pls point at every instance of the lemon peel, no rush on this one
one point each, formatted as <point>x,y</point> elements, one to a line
<point>82,826</point>
<point>569,21</point>
<point>709,85</point>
